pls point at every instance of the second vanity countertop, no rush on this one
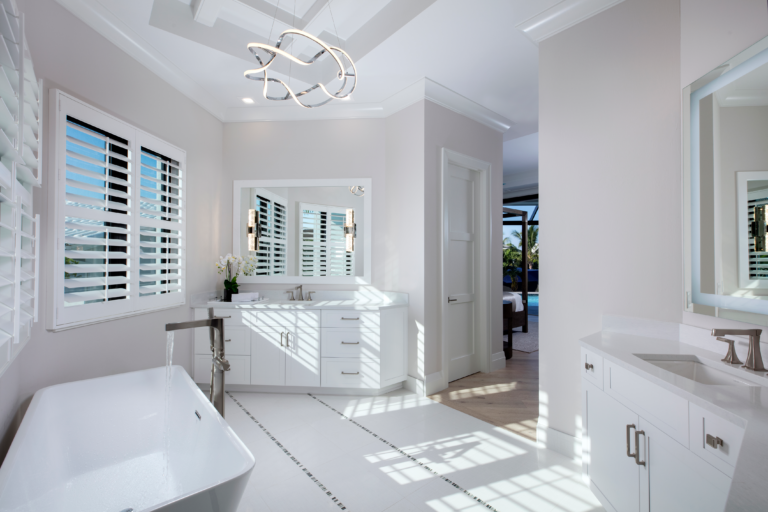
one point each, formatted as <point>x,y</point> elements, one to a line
<point>351,304</point>
<point>746,406</point>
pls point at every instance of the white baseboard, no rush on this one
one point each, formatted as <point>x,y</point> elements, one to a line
<point>498,361</point>
<point>560,442</point>
<point>414,385</point>
<point>434,383</point>
<point>250,388</point>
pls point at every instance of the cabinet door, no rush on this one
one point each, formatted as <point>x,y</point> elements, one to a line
<point>615,475</point>
<point>268,356</point>
<point>675,479</point>
<point>302,363</point>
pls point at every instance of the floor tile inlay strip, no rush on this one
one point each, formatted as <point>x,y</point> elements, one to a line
<point>285,451</point>
<point>401,452</point>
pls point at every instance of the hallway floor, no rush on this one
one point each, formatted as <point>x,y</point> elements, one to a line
<point>507,398</point>
<point>394,453</point>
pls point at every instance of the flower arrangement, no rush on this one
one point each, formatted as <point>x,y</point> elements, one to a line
<point>249,265</point>
<point>230,266</point>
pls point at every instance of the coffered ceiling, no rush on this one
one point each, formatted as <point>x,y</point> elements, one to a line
<point>465,49</point>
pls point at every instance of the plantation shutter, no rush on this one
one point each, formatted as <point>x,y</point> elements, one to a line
<point>323,246</point>
<point>271,214</point>
<point>118,218</point>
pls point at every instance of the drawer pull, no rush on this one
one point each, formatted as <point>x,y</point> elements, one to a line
<point>358,318</point>
<point>629,452</point>
<point>637,447</point>
<point>227,340</point>
<point>713,441</point>
<point>589,366</point>
<point>350,343</point>
<point>350,373</point>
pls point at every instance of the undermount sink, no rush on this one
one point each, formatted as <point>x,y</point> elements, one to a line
<point>693,368</point>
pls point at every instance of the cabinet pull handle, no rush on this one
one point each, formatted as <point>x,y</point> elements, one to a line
<point>714,441</point>
<point>629,452</point>
<point>637,447</point>
<point>281,338</point>
<point>287,343</point>
<point>358,318</point>
<point>452,300</point>
<point>589,366</point>
<point>350,343</point>
<point>350,373</point>
<point>227,340</point>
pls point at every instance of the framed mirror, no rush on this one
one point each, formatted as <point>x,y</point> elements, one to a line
<point>725,152</point>
<point>303,231</point>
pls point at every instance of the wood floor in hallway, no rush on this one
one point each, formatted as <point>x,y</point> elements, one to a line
<point>507,398</point>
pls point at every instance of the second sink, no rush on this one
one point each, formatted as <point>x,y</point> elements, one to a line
<point>692,368</point>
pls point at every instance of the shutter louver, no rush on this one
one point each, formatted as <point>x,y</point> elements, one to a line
<point>323,246</point>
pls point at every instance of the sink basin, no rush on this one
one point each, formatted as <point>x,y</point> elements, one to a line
<point>693,368</point>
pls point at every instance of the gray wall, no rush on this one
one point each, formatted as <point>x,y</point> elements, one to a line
<point>610,145</point>
<point>71,56</point>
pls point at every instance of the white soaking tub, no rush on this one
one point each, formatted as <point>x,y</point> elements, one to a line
<point>98,446</point>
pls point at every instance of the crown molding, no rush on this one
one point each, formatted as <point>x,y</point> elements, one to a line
<point>423,89</point>
<point>562,16</point>
<point>95,15</point>
<point>103,21</point>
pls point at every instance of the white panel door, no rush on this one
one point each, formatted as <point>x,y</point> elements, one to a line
<point>675,478</point>
<point>302,360</point>
<point>268,356</point>
<point>615,474</point>
<point>459,272</point>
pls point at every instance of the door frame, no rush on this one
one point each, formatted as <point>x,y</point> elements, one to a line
<point>483,255</point>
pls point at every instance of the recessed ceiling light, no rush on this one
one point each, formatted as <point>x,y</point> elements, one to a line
<point>247,100</point>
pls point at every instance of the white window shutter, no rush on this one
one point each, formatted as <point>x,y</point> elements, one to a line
<point>323,246</point>
<point>118,218</point>
<point>272,215</point>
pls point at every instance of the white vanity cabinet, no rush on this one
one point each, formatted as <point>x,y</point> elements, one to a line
<point>304,349</point>
<point>637,452</point>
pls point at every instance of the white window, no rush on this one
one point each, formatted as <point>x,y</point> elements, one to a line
<point>271,213</point>
<point>118,220</point>
<point>322,241</point>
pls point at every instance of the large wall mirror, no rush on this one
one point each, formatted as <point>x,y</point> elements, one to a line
<point>303,231</point>
<point>726,189</point>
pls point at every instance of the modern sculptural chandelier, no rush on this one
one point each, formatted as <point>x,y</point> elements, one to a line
<point>266,55</point>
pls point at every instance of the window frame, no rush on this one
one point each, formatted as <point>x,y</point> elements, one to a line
<point>58,316</point>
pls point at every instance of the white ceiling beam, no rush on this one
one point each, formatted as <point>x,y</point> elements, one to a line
<point>562,16</point>
<point>206,11</point>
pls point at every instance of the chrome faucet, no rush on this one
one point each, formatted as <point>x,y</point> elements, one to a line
<point>300,295</point>
<point>219,365</point>
<point>754,358</point>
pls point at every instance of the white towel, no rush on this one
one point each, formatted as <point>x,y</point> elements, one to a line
<point>516,298</point>
<point>245,297</point>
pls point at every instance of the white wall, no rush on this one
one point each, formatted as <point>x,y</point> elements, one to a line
<point>609,181</point>
<point>404,241</point>
<point>73,57</point>
<point>610,143</point>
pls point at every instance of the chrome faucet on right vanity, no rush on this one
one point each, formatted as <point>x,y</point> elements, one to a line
<point>754,357</point>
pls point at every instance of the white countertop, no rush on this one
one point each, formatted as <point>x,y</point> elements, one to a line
<point>351,304</point>
<point>743,405</point>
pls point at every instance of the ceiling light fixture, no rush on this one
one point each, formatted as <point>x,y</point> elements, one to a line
<point>269,53</point>
<point>249,101</point>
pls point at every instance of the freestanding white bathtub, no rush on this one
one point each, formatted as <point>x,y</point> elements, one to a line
<point>98,446</point>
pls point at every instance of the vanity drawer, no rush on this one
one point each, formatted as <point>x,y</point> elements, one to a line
<point>350,373</point>
<point>592,367</point>
<point>231,316</point>
<point>351,318</point>
<point>285,318</point>
<point>350,343</point>
<point>704,422</point>
<point>239,373</point>
<point>237,341</point>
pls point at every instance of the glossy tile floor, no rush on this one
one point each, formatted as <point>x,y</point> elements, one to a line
<point>394,453</point>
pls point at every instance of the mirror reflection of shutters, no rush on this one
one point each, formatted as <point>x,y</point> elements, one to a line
<point>97,215</point>
<point>323,246</point>
<point>271,214</point>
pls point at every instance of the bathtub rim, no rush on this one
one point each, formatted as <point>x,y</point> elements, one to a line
<point>250,460</point>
